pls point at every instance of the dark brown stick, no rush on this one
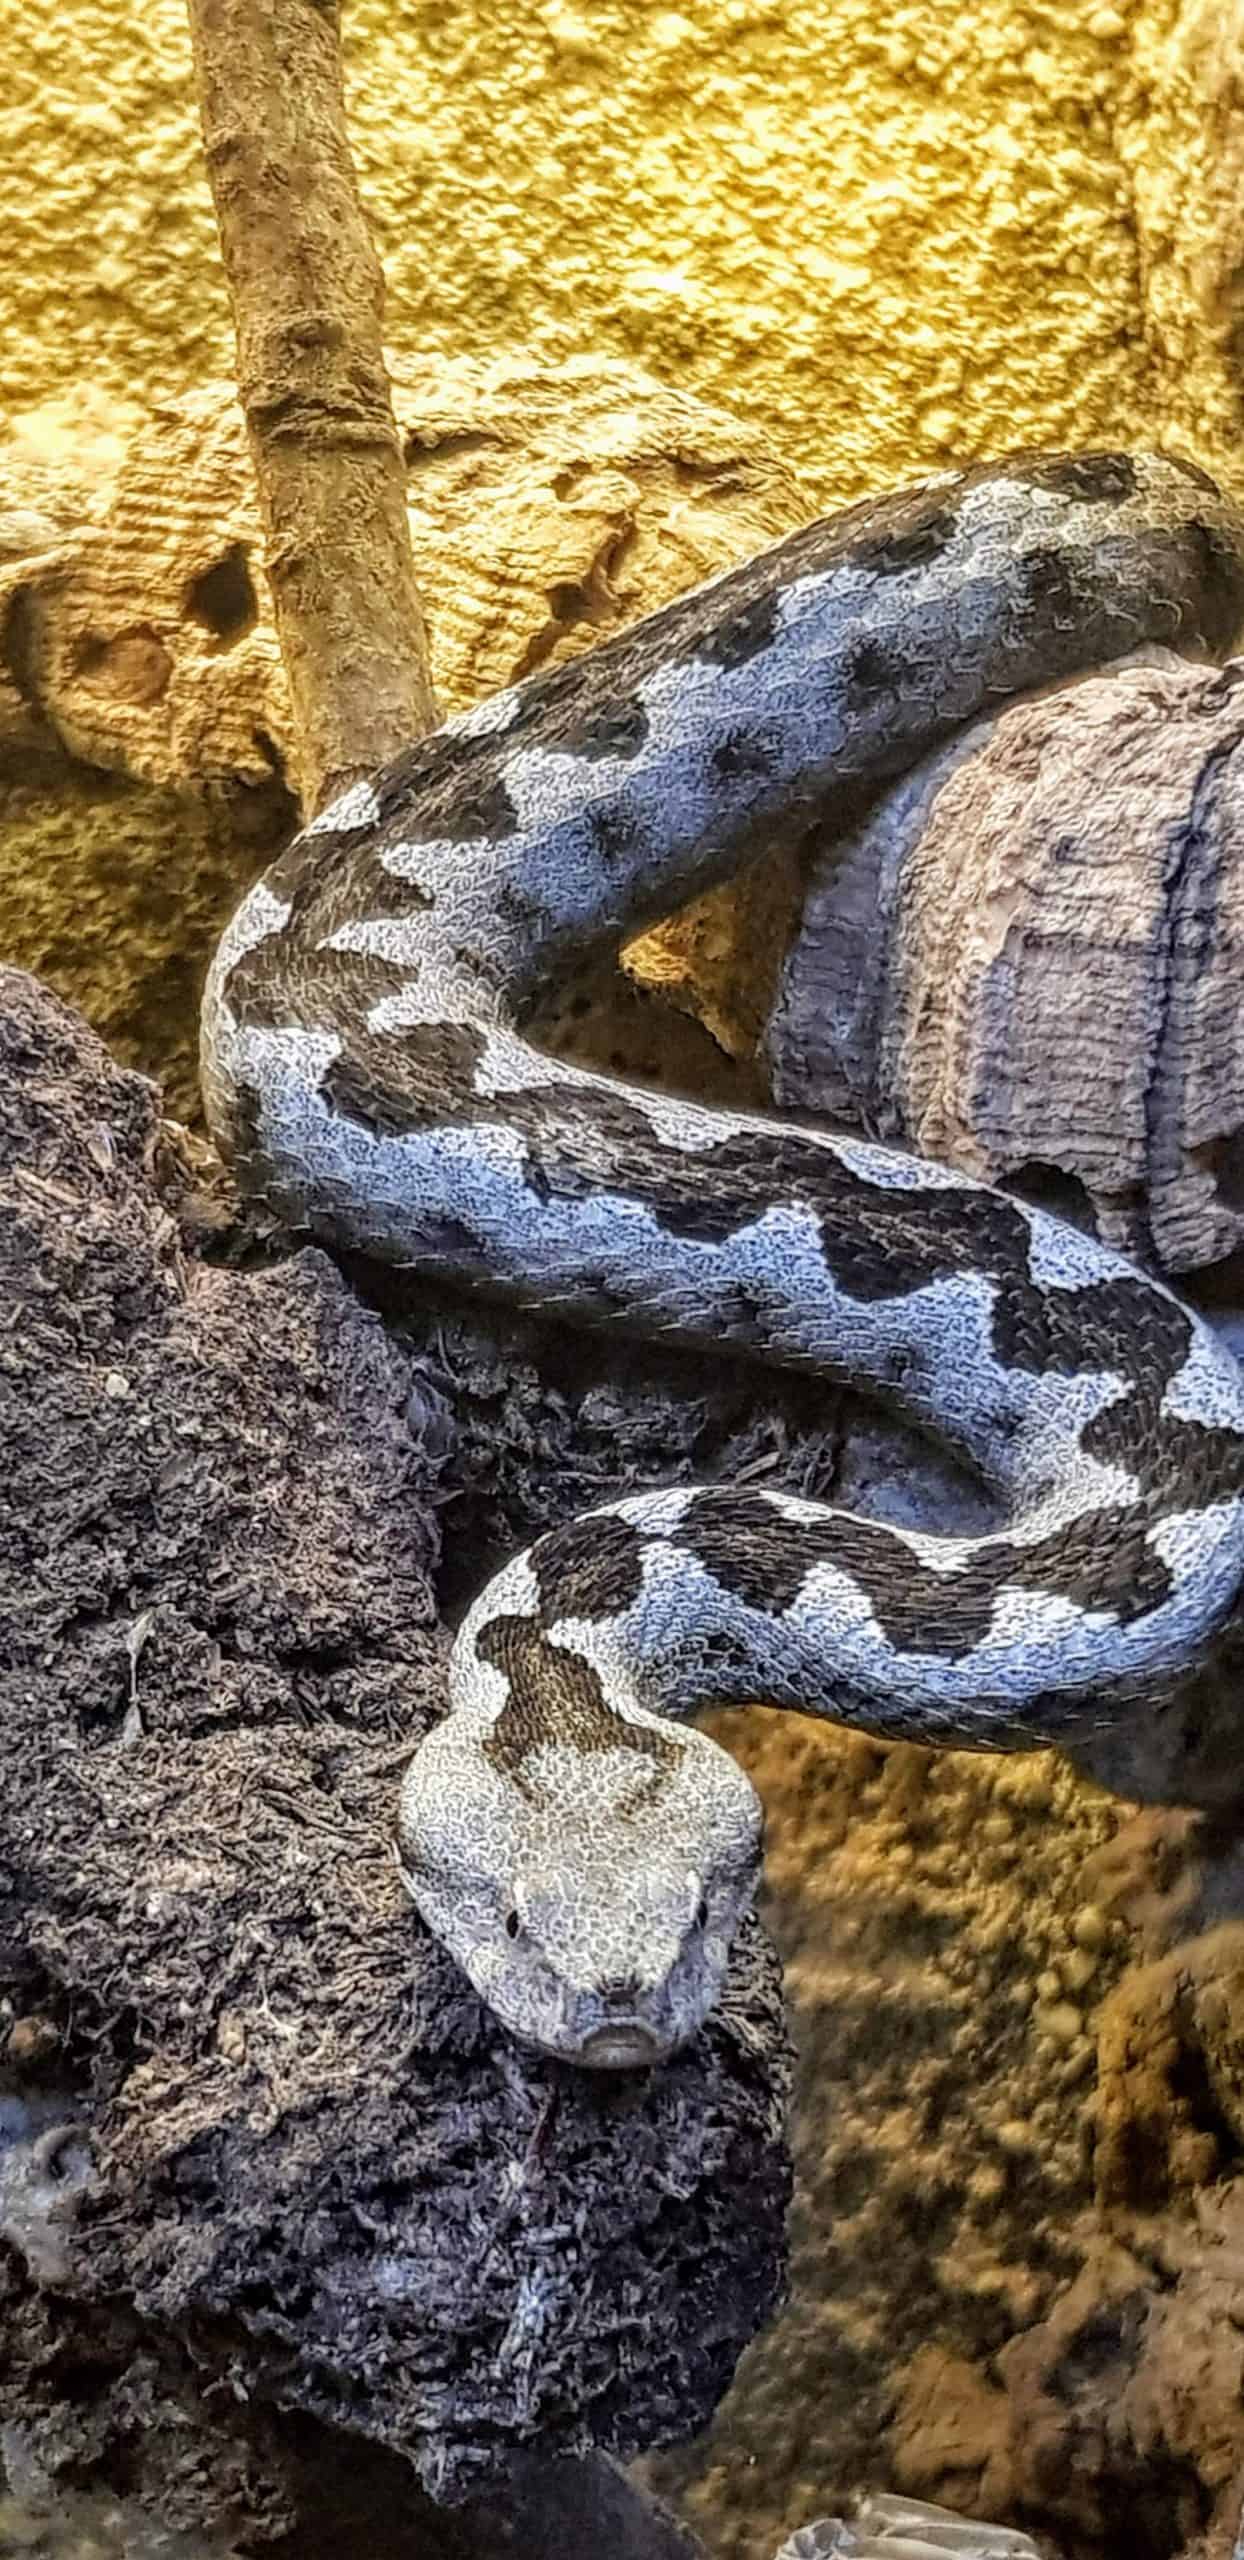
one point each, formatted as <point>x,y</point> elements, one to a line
<point>308,296</point>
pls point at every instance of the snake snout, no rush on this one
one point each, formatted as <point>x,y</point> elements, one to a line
<point>621,1992</point>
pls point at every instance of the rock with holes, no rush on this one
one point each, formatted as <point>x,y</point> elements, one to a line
<point>1026,959</point>
<point>141,636</point>
<point>549,505</point>
<point>143,711</point>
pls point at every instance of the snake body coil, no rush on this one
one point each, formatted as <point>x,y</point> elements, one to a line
<point>584,1858</point>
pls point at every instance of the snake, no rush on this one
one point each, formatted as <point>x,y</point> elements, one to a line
<point>584,1850</point>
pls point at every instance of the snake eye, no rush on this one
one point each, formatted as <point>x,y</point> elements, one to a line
<point>513,1925</point>
<point>701,1912</point>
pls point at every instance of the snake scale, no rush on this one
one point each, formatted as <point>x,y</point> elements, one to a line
<point>584,1856</point>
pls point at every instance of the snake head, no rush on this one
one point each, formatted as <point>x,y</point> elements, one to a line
<point>590,1895</point>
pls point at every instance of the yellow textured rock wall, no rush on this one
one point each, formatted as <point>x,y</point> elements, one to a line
<point>877,235</point>
<point>882,232</point>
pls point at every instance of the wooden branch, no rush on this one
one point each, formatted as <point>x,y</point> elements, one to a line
<point>308,296</point>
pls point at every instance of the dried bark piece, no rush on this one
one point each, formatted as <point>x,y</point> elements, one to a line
<point>1026,959</point>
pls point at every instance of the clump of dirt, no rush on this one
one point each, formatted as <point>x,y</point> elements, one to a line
<point>325,2187</point>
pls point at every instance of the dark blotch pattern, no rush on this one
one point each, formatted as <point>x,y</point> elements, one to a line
<point>875,668</point>
<point>1093,477</point>
<point>741,634</point>
<point>1192,471</point>
<point>268,989</point>
<point>613,831</point>
<point>593,1568</point>
<point>613,728</point>
<point>1221,610</point>
<point>524,913</point>
<point>308,861</point>
<point>1190,1463</point>
<point>1051,588</point>
<point>747,755</point>
<point>555,1696</point>
<point>348,1090</point>
<point>927,529</point>
<point>412,791</point>
<point>1099,1562</point>
<point>418,1079</point>
<point>1078,1330</point>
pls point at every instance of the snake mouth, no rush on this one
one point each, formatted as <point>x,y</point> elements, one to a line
<point>626,2046</point>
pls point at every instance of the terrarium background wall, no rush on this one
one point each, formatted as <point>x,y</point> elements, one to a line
<point>880,238</point>
<point>885,235</point>
<point>875,240</point>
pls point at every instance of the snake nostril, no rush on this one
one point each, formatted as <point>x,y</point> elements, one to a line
<point>621,1991</point>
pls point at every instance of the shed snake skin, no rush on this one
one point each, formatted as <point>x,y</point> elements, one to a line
<point>583,1854</point>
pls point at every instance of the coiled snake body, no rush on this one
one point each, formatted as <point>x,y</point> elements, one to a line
<point>585,1858</point>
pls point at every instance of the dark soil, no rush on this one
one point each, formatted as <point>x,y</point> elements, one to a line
<point>331,2206</point>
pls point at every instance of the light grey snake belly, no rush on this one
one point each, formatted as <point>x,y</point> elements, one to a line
<point>584,1858</point>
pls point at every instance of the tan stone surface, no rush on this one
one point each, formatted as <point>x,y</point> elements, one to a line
<point>114,896</point>
<point>549,506</point>
<point>945,1955</point>
<point>1018,2135</point>
<point>1179,132</point>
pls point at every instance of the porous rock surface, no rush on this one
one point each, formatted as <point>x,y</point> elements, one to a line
<point>884,235</point>
<point>143,710</point>
<point>327,2198</point>
<point>1019,2153</point>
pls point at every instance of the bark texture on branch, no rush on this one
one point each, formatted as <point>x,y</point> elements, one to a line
<point>308,297</point>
